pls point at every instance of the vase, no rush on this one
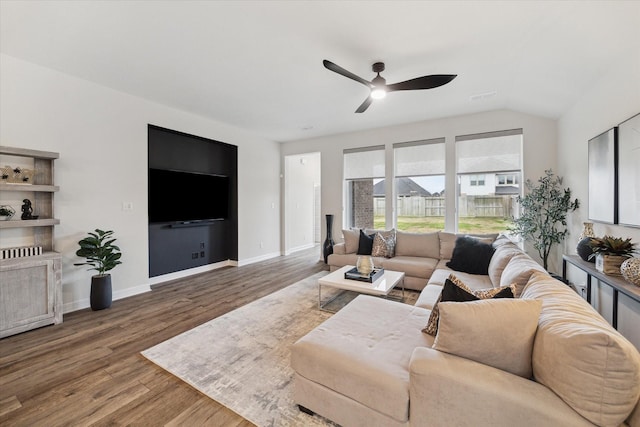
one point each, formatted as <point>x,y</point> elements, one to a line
<point>585,250</point>
<point>587,231</point>
<point>364,264</point>
<point>100,296</point>
<point>630,270</point>
<point>327,246</point>
<point>610,264</point>
<point>8,212</point>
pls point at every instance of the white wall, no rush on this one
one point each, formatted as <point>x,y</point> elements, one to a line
<point>539,151</point>
<point>101,135</point>
<point>610,100</point>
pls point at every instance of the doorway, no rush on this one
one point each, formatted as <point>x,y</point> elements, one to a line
<point>301,201</point>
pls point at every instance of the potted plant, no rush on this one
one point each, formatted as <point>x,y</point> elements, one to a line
<point>610,252</point>
<point>102,255</point>
<point>6,212</point>
<point>543,218</point>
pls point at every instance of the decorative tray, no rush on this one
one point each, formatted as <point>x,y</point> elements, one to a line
<point>370,278</point>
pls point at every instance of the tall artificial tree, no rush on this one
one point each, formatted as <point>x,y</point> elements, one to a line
<point>543,215</point>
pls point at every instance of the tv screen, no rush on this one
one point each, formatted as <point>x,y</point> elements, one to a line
<point>187,196</point>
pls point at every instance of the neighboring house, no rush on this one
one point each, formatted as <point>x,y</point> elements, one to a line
<point>490,184</point>
<point>405,187</point>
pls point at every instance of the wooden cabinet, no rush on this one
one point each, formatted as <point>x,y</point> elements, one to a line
<point>31,287</point>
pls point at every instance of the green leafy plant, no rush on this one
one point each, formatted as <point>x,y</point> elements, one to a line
<point>609,245</point>
<point>99,251</point>
<point>543,217</point>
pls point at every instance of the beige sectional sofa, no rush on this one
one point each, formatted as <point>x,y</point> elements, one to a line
<point>418,255</point>
<point>371,364</point>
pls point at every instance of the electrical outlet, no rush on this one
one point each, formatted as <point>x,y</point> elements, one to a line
<point>201,245</point>
<point>262,244</point>
<point>201,254</point>
<point>194,255</point>
<point>127,206</point>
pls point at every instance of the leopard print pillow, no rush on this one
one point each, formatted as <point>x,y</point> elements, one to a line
<point>384,244</point>
<point>464,293</point>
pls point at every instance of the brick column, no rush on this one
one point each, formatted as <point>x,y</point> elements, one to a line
<point>362,203</point>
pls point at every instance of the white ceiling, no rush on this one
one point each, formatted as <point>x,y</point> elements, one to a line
<point>257,65</point>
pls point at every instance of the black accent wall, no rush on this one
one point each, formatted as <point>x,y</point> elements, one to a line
<point>175,246</point>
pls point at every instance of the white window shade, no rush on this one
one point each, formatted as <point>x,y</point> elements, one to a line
<point>364,163</point>
<point>495,154</point>
<point>419,158</point>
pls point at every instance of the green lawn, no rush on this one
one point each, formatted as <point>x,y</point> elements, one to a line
<point>466,225</point>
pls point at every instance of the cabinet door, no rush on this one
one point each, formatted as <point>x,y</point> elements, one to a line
<point>27,296</point>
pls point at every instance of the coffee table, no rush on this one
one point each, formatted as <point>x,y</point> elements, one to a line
<point>381,287</point>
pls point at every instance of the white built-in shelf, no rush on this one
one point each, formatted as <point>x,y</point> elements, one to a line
<point>31,286</point>
<point>29,187</point>
<point>18,223</point>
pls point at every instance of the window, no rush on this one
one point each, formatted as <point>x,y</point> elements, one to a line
<point>363,167</point>
<point>489,167</point>
<point>476,180</point>
<point>419,185</point>
<point>508,179</point>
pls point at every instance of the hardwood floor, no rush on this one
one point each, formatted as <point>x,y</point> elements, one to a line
<point>89,371</point>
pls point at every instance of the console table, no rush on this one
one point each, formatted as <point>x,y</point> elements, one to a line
<point>617,283</point>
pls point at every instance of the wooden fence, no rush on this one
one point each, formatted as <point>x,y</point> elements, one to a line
<point>468,206</point>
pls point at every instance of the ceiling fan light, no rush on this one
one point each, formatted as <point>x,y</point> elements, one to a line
<point>378,93</point>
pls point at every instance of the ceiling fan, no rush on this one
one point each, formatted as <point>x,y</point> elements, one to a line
<point>379,86</point>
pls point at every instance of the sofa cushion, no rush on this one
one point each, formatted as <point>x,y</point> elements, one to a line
<point>470,255</point>
<point>455,290</point>
<point>365,243</point>
<point>472,281</point>
<point>412,266</point>
<point>503,240</point>
<point>518,270</point>
<point>500,334</point>
<point>499,261</point>
<point>363,352</point>
<point>351,240</point>
<point>579,356</point>
<point>338,261</point>
<point>426,245</point>
<point>448,241</point>
<point>429,296</point>
<point>384,244</point>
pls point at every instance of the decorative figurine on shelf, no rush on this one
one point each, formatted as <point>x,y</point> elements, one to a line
<point>27,210</point>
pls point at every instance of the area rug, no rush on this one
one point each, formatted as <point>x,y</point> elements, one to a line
<point>241,359</point>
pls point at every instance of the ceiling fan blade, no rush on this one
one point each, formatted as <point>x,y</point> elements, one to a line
<point>424,82</point>
<point>338,69</point>
<point>363,107</point>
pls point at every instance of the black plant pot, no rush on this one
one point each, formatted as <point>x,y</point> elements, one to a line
<point>327,247</point>
<point>100,297</point>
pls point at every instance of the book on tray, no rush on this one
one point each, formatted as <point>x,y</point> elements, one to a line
<point>375,274</point>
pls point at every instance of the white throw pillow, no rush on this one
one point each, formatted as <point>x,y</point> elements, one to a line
<point>494,332</point>
<point>351,240</point>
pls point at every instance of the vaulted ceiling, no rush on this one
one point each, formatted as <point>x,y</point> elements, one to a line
<point>257,65</point>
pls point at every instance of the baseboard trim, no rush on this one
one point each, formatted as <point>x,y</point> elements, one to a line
<point>258,259</point>
<point>300,248</point>
<point>190,272</point>
<point>84,303</point>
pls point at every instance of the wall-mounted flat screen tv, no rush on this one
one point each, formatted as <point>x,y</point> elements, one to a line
<point>176,196</point>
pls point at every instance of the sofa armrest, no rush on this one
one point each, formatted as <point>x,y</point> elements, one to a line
<point>340,249</point>
<point>450,390</point>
